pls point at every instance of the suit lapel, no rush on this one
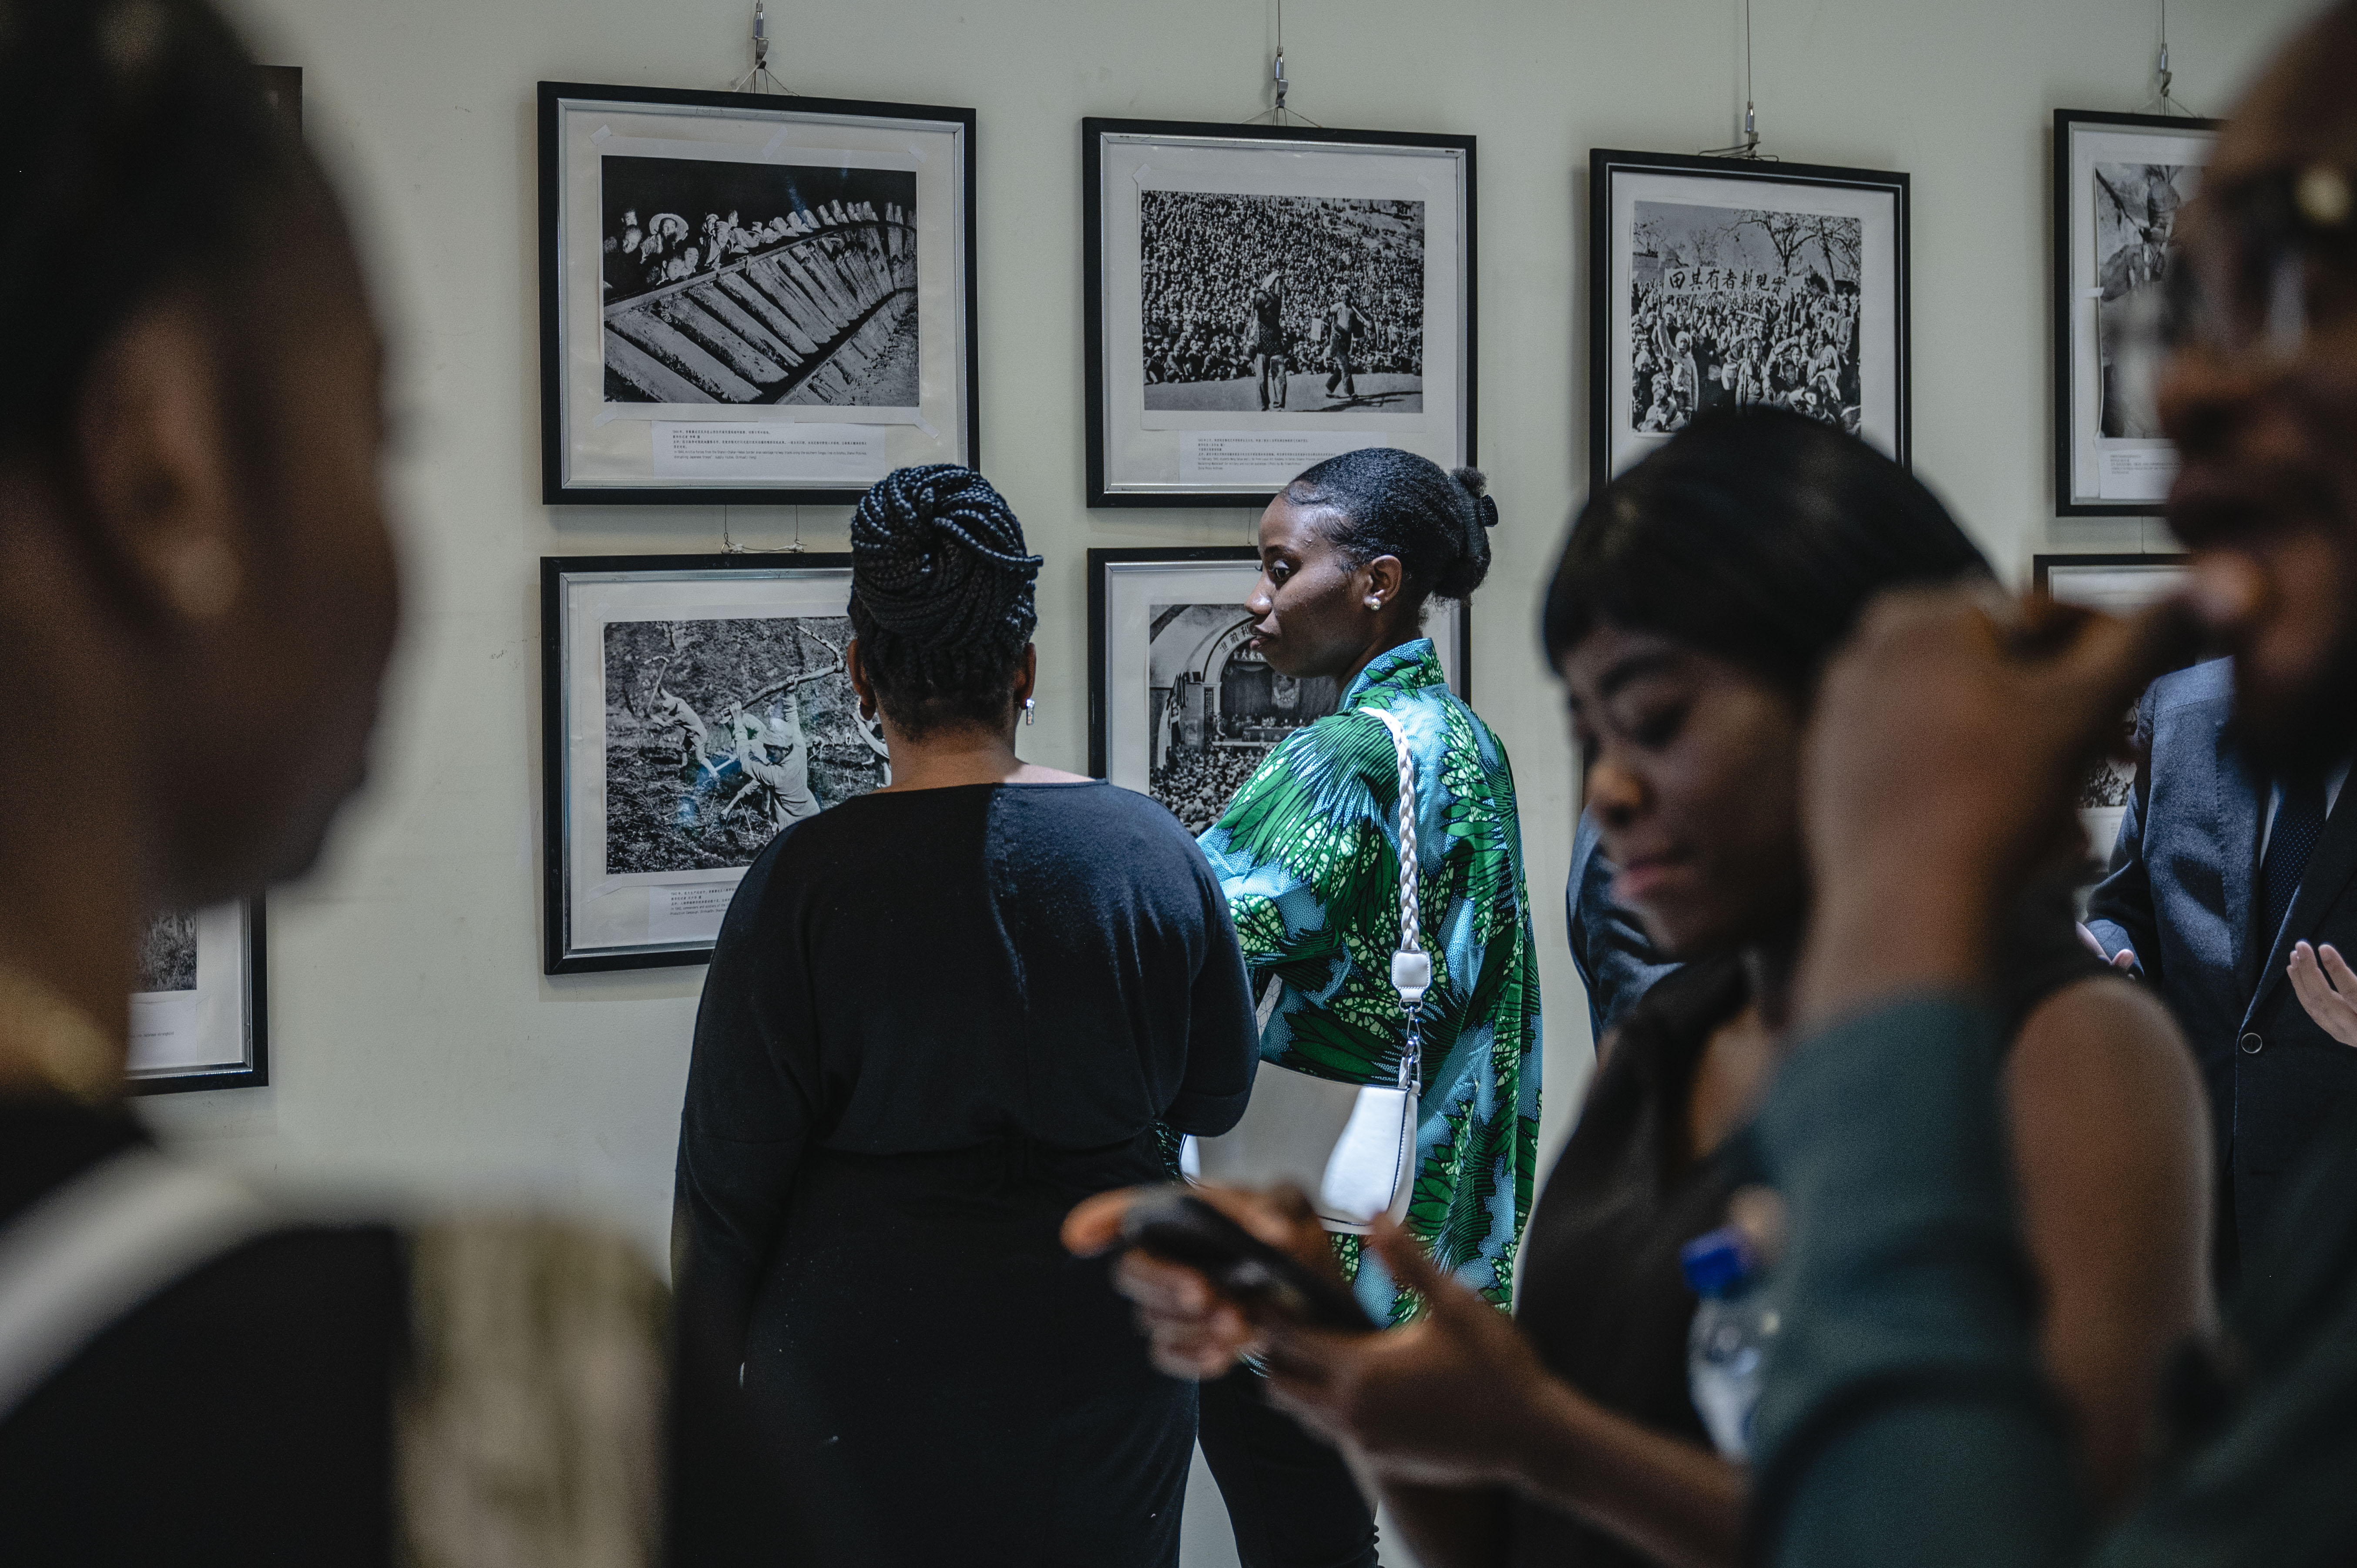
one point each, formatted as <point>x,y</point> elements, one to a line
<point>2238,806</point>
<point>2329,870</point>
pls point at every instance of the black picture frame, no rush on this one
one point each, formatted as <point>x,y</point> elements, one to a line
<point>2069,501</point>
<point>1456,655</point>
<point>2042,567</point>
<point>556,438</point>
<point>1604,281</point>
<point>254,1072</point>
<point>1107,490</point>
<point>562,952</point>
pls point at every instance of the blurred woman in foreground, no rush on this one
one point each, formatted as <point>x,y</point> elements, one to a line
<point>191,544</point>
<point>1696,605</point>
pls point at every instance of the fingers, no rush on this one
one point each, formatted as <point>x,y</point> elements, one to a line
<point>1412,1266</point>
<point>1191,1331</point>
<point>2336,968</point>
<point>2333,1010</point>
<point>1280,1216</point>
<point>1310,1360</point>
<point>2125,959</point>
<point>2112,659</point>
<point>2094,944</point>
<point>2224,590</point>
<point>1164,1288</point>
<point>1095,1224</point>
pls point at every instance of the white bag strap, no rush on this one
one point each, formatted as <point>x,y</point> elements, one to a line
<point>1410,965</point>
<point>80,1259</point>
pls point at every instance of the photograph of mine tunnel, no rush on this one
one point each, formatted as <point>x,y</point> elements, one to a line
<point>758,283</point>
<point>1215,708</point>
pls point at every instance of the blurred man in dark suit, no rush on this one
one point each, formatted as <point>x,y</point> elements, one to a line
<point>2231,853</point>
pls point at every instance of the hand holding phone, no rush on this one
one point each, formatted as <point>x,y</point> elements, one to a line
<point>1178,1227</point>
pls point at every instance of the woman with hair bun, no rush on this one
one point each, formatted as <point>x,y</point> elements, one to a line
<point>938,1016</point>
<point>1351,553</point>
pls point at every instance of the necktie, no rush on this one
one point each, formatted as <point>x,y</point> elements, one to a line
<point>2299,822</point>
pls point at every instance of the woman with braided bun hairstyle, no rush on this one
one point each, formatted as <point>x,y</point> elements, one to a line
<point>1351,553</point>
<point>938,1017</point>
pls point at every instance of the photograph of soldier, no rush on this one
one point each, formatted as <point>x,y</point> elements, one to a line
<point>1270,303</point>
<point>2135,226</point>
<point>719,732</point>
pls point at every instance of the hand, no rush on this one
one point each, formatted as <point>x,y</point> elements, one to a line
<point>2124,961</point>
<point>1941,769</point>
<point>2326,987</point>
<point>1193,1331</point>
<point>1439,1402</point>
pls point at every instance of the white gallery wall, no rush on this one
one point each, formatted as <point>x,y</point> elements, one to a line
<point>415,1048</point>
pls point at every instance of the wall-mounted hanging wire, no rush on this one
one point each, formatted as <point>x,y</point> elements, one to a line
<point>728,545</point>
<point>1748,147</point>
<point>2162,101</point>
<point>1280,113</point>
<point>760,79</point>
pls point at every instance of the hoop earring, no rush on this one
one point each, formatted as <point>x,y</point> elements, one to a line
<point>1030,711</point>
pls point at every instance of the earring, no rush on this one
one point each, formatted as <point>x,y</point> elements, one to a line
<point>1030,711</point>
<point>1375,602</point>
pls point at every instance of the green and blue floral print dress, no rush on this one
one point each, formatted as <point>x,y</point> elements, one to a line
<point>1307,854</point>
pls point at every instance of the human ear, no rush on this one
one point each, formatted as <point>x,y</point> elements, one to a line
<point>1027,673</point>
<point>856,666</point>
<point>1385,577</point>
<point>155,466</point>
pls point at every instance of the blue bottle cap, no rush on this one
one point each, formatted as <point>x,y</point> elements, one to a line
<point>1719,1261</point>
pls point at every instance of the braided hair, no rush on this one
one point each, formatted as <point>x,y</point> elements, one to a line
<point>941,597</point>
<point>1390,502</point>
<point>144,158</point>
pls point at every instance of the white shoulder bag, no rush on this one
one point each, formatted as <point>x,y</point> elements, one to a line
<point>1350,1147</point>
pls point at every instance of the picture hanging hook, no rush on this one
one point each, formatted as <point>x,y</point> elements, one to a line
<point>1277,112</point>
<point>760,79</point>
<point>1748,147</point>
<point>2163,101</point>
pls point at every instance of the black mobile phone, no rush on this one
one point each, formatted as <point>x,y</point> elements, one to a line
<point>1173,1224</point>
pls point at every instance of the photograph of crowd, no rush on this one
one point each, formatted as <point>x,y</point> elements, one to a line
<point>1273,303</point>
<point>2135,223</point>
<point>1216,709</point>
<point>1742,305</point>
<point>753,283</point>
<point>167,953</point>
<point>719,732</point>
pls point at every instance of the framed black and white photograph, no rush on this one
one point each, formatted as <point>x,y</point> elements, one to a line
<point>694,705</point>
<point>200,1015</point>
<point>1720,282</point>
<point>1262,297</point>
<point>2120,584</point>
<point>2119,180</point>
<point>1179,707</point>
<point>748,297</point>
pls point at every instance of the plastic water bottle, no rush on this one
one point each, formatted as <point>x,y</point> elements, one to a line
<point>1731,1331</point>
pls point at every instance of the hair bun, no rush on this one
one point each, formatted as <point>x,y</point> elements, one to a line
<point>1477,485</point>
<point>939,556</point>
